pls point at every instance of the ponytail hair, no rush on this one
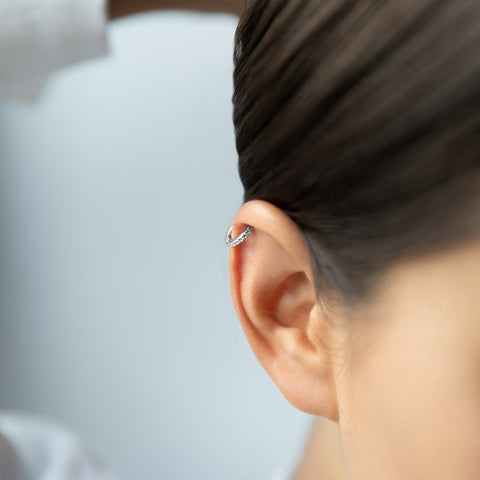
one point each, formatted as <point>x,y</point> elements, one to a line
<point>360,119</point>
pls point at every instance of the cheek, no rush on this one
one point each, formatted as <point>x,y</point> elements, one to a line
<point>410,408</point>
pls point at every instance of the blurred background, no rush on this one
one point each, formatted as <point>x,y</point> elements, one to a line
<point>116,189</point>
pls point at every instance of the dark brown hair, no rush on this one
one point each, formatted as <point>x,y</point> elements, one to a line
<point>361,120</point>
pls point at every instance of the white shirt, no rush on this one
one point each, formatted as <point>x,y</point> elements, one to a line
<point>38,37</point>
<point>32,448</point>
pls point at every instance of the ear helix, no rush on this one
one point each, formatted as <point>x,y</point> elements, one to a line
<point>233,242</point>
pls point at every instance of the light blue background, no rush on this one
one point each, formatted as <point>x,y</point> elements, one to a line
<point>116,190</point>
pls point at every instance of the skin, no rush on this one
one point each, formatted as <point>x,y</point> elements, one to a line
<point>398,375</point>
<point>322,458</point>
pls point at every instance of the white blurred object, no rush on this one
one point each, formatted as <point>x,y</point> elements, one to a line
<point>32,448</point>
<point>282,474</point>
<point>38,37</point>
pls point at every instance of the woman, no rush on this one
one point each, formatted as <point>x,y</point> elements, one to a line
<point>358,132</point>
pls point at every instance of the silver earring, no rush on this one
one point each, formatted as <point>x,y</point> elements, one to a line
<point>233,242</point>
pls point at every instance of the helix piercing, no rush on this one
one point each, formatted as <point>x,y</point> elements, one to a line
<point>233,242</point>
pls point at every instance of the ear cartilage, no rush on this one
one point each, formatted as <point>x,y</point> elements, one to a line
<point>233,242</point>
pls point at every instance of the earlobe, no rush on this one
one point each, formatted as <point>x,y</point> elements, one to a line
<point>274,297</point>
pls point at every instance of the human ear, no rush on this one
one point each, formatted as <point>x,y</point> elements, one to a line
<point>274,296</point>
